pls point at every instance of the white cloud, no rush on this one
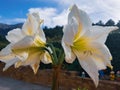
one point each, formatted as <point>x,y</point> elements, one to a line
<point>18,20</point>
<point>97,9</point>
<point>60,19</point>
<point>51,16</point>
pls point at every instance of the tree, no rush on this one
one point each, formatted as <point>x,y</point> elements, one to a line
<point>118,24</point>
<point>100,23</point>
<point>110,22</point>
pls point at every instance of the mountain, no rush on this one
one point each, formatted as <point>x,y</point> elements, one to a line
<point>4,28</point>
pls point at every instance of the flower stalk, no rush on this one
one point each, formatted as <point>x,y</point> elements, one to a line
<point>56,65</point>
<point>53,54</point>
<point>55,78</point>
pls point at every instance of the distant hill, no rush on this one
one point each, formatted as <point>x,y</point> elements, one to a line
<point>4,28</point>
<point>54,36</point>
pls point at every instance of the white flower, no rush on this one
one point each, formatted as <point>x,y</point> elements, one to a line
<point>26,45</point>
<point>86,42</point>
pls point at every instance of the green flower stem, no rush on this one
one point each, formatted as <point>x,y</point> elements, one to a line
<point>55,78</point>
<point>56,65</point>
<point>61,57</point>
<point>53,54</point>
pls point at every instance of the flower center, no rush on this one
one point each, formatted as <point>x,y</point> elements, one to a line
<point>83,45</point>
<point>38,42</point>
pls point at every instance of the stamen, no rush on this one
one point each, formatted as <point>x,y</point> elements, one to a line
<point>87,53</point>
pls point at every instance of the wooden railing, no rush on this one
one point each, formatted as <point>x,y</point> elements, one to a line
<point>68,80</point>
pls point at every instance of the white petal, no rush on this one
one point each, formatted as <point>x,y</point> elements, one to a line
<point>100,62</point>
<point>32,58</point>
<point>10,63</point>
<point>35,67</point>
<point>31,26</point>
<point>90,67</point>
<point>69,55</point>
<point>6,51</point>
<point>36,16</point>
<point>46,58</point>
<point>103,53</point>
<point>68,36</point>
<point>6,54</point>
<point>100,33</point>
<point>70,32</point>
<point>41,35</point>
<point>26,42</point>
<point>39,31</point>
<point>22,56</point>
<point>7,58</point>
<point>18,64</point>
<point>50,50</point>
<point>15,35</point>
<point>82,18</point>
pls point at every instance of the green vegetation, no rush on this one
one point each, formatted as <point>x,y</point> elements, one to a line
<point>3,42</point>
<point>79,88</point>
<point>82,89</point>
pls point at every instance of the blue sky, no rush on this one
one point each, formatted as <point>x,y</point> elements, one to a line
<point>18,8</point>
<point>54,12</point>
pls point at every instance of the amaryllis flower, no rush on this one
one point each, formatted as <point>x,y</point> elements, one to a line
<point>86,42</point>
<point>26,45</point>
